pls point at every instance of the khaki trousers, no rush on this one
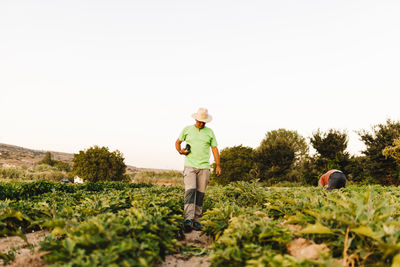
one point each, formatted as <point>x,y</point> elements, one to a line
<point>196,181</point>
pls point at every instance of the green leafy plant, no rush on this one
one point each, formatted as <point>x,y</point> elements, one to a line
<point>99,164</point>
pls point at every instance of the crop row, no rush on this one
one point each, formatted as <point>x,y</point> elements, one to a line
<point>20,190</point>
<point>114,227</point>
<point>253,225</point>
<point>119,225</point>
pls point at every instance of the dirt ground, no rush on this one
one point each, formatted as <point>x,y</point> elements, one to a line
<point>179,260</point>
<point>302,248</point>
<point>25,255</point>
<point>30,256</point>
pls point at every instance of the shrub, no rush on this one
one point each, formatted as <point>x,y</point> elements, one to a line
<point>99,164</point>
<point>330,144</point>
<point>393,151</point>
<point>12,173</point>
<point>357,170</point>
<point>43,168</point>
<point>236,163</point>
<point>279,153</point>
<point>331,150</point>
<point>47,159</point>
<point>58,164</point>
<point>385,170</point>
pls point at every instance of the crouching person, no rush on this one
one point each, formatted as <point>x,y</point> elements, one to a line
<point>334,179</point>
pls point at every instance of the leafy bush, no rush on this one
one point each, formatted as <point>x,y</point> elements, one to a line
<point>12,173</point>
<point>330,145</point>
<point>358,171</point>
<point>331,150</point>
<point>99,164</point>
<point>43,168</point>
<point>39,172</point>
<point>385,170</point>
<point>57,164</point>
<point>393,151</point>
<point>236,163</point>
<point>62,166</point>
<point>278,154</point>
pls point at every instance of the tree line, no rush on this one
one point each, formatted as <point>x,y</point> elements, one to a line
<point>283,156</point>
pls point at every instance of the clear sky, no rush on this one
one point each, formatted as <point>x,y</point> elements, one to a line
<point>129,74</point>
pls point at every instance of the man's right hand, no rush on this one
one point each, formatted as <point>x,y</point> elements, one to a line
<point>184,152</point>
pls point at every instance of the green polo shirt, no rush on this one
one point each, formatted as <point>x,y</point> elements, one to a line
<point>200,141</point>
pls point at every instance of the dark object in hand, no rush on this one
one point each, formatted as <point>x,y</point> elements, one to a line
<point>187,148</point>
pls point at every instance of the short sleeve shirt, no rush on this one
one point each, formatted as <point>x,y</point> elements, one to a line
<point>200,141</point>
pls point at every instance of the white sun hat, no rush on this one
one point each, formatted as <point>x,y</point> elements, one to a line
<point>202,115</point>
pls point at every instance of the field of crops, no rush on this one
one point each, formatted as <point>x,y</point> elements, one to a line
<point>116,224</point>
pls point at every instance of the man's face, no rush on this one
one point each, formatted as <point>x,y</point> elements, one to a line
<point>200,124</point>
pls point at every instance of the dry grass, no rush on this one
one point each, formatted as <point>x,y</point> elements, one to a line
<point>164,177</point>
<point>38,172</point>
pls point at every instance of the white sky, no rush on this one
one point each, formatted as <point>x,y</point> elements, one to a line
<point>129,74</point>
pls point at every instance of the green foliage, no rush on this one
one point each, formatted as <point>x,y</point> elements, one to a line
<point>385,170</point>
<point>236,163</point>
<point>160,174</point>
<point>279,152</point>
<point>118,224</point>
<point>12,172</point>
<point>62,166</point>
<point>311,171</point>
<point>159,177</point>
<point>43,168</point>
<point>331,154</point>
<point>99,164</point>
<point>330,145</point>
<point>357,170</point>
<point>360,224</point>
<point>58,164</point>
<point>393,151</point>
<point>8,257</point>
<point>21,191</point>
<point>131,237</point>
<point>39,172</point>
<point>102,224</point>
<point>47,159</point>
<point>249,234</point>
<point>11,222</point>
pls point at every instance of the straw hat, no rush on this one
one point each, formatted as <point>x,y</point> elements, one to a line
<point>202,115</point>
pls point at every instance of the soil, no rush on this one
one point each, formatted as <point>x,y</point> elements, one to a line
<point>180,260</point>
<point>292,227</point>
<point>24,255</point>
<point>32,257</point>
<point>306,249</point>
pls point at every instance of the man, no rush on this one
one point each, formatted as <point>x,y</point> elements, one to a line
<point>197,166</point>
<point>334,179</point>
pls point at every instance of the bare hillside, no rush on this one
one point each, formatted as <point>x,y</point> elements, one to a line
<point>19,156</point>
